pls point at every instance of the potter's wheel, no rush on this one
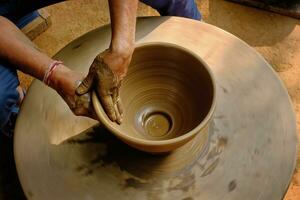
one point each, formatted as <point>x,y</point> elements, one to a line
<point>252,144</point>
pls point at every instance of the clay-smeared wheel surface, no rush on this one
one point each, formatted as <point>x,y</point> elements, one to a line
<point>250,153</point>
<point>168,95</point>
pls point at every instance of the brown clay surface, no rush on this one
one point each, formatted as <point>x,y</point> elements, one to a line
<point>168,96</point>
<point>224,169</point>
<point>276,37</point>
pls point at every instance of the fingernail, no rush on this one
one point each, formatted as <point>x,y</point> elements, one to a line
<point>119,120</point>
<point>79,90</point>
<point>113,118</point>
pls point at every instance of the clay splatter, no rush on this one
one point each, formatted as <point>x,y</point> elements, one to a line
<point>222,141</point>
<point>186,182</point>
<point>232,185</point>
<point>134,183</point>
<point>210,168</point>
<point>84,170</point>
<point>77,46</point>
<point>224,89</point>
<point>29,193</point>
<point>188,198</point>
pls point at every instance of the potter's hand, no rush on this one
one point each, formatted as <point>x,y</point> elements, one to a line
<point>65,82</point>
<point>105,76</point>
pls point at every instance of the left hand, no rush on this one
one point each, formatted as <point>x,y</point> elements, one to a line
<point>65,82</point>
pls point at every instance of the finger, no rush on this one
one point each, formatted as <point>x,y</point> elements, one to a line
<point>118,115</point>
<point>108,106</point>
<point>115,95</point>
<point>115,98</point>
<point>117,101</point>
<point>85,102</point>
<point>120,107</point>
<point>86,84</point>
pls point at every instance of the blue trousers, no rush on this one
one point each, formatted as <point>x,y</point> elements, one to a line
<point>182,8</point>
<point>20,12</point>
<point>9,95</point>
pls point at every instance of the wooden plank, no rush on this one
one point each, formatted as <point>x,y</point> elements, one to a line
<point>38,25</point>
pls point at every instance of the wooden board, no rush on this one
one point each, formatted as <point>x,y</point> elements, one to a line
<point>38,25</point>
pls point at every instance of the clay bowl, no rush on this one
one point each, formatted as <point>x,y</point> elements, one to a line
<point>168,97</point>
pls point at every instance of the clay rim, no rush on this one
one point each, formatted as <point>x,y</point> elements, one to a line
<point>106,121</point>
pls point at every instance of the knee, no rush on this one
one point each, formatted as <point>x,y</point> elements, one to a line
<point>182,8</point>
<point>9,98</point>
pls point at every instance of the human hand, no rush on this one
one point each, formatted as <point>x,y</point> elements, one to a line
<point>65,82</point>
<point>105,76</point>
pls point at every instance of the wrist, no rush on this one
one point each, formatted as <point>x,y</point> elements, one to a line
<point>62,78</point>
<point>123,49</point>
<point>49,71</point>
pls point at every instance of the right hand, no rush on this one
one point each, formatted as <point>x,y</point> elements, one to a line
<point>105,76</point>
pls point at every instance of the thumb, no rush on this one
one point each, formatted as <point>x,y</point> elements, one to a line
<point>86,84</point>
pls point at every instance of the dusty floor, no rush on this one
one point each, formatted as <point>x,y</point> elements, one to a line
<point>276,37</point>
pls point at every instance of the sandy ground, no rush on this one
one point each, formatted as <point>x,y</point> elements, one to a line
<point>275,36</point>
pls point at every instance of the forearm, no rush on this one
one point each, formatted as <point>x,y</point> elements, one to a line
<point>17,49</point>
<point>123,22</point>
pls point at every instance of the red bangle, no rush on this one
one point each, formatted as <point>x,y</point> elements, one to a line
<point>50,70</point>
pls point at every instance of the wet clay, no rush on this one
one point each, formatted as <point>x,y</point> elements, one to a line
<point>168,93</point>
<point>157,124</point>
<point>106,83</point>
<point>251,137</point>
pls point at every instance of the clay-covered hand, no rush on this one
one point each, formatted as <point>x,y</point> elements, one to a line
<point>65,82</point>
<point>105,76</point>
<point>81,105</point>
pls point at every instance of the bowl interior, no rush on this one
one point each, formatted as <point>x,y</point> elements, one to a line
<point>167,93</point>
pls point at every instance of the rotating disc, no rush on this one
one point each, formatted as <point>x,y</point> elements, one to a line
<point>251,148</point>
